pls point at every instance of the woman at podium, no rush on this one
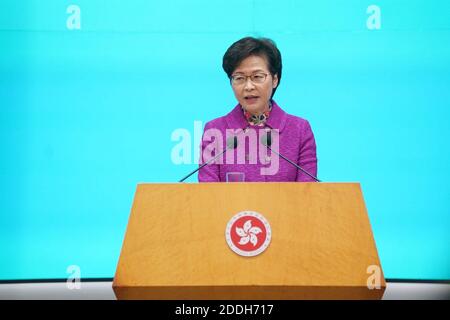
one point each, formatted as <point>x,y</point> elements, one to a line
<point>257,140</point>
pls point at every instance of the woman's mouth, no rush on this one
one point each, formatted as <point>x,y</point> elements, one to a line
<point>251,99</point>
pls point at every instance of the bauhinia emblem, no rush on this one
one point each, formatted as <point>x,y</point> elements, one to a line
<point>248,233</point>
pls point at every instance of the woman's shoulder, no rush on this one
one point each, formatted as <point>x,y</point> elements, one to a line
<point>233,119</point>
<point>297,121</point>
<point>284,119</point>
<point>217,123</point>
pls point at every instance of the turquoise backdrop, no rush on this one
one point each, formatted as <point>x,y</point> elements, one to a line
<point>91,92</point>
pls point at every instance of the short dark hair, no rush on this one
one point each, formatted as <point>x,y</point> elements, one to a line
<point>249,46</point>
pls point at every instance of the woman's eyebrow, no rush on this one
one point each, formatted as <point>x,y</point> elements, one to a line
<point>254,71</point>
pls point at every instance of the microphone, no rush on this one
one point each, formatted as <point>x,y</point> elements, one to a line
<point>266,140</point>
<point>232,143</point>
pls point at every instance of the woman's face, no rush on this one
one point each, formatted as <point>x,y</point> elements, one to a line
<point>254,97</point>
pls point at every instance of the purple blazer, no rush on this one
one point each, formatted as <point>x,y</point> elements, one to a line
<point>252,160</point>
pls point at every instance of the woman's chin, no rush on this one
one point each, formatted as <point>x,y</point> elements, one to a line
<point>253,109</point>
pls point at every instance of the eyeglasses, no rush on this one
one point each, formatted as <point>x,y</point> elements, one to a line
<point>240,79</point>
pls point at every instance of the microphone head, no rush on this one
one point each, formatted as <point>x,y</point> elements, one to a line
<point>266,139</point>
<point>232,142</point>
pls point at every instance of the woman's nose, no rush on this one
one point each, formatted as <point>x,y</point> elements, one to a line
<point>249,84</point>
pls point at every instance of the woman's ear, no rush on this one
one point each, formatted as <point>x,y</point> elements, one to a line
<point>274,81</point>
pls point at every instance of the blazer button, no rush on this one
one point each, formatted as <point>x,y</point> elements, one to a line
<point>267,159</point>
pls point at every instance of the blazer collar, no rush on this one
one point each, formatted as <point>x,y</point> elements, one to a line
<point>277,119</point>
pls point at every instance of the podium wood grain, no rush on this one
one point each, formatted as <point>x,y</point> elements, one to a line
<point>175,248</point>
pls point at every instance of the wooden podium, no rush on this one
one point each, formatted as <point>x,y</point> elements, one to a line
<point>321,246</point>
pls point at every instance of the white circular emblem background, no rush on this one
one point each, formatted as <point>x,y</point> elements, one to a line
<point>261,248</point>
